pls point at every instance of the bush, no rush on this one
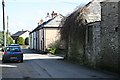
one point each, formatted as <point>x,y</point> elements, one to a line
<point>27,41</point>
<point>54,46</point>
<point>20,41</point>
<point>52,50</point>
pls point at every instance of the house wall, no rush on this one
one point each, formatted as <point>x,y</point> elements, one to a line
<point>51,35</point>
<point>37,40</point>
<point>34,40</point>
<point>26,34</point>
<point>93,43</point>
<point>41,41</point>
<point>93,12</point>
<point>30,42</point>
<point>110,35</point>
<point>102,39</point>
<point>40,38</point>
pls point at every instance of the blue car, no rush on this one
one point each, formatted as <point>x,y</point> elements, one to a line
<point>12,53</point>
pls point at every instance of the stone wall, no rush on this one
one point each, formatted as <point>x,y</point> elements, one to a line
<point>93,43</point>
<point>93,11</point>
<point>119,40</point>
<point>110,45</point>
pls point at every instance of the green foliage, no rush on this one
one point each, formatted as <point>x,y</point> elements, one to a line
<point>1,37</point>
<point>20,41</point>
<point>73,33</point>
<point>9,40</point>
<point>52,50</point>
<point>73,26</point>
<point>54,46</point>
<point>27,41</point>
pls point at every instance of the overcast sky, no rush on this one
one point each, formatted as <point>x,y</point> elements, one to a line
<point>24,14</point>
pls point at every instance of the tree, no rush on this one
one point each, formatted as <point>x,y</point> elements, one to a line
<point>26,41</point>
<point>73,33</point>
<point>1,37</point>
<point>20,41</point>
<point>9,40</point>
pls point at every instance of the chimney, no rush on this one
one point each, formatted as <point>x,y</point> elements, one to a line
<point>53,14</point>
<point>40,22</point>
<point>47,17</point>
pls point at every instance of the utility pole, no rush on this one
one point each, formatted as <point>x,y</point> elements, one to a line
<point>7,29</point>
<point>3,5</point>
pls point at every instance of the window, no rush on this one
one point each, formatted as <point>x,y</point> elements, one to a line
<point>13,49</point>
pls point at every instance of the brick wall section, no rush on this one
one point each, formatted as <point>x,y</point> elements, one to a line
<point>110,32</point>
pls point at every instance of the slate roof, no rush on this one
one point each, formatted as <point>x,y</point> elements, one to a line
<point>44,23</point>
<point>19,33</point>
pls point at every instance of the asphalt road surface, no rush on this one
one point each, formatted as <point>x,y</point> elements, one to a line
<point>37,66</point>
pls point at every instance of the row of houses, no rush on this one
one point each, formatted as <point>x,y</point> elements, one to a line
<point>46,33</point>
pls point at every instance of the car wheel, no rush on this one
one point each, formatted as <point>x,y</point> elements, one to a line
<point>3,61</point>
<point>21,60</point>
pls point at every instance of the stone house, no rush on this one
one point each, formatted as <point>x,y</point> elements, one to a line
<point>103,49</point>
<point>90,44</point>
<point>110,35</point>
<point>102,44</point>
<point>46,33</point>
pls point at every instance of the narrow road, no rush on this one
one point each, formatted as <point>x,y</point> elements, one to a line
<point>38,66</point>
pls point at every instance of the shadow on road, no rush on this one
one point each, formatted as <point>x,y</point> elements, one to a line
<point>35,62</point>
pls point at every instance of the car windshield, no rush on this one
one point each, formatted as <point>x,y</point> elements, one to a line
<point>12,49</point>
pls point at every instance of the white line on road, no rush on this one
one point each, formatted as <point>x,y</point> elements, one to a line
<point>4,65</point>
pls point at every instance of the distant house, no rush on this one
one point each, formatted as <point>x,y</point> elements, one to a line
<point>46,33</point>
<point>22,33</point>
